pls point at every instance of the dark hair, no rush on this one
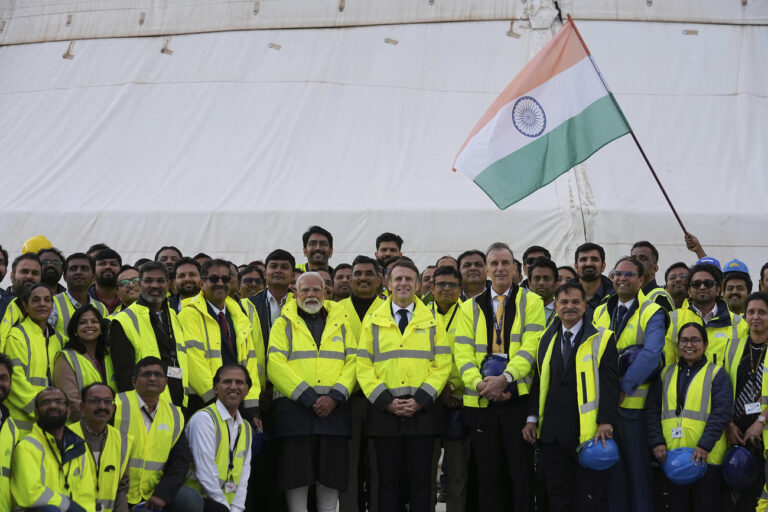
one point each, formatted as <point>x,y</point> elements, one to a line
<point>151,361</point>
<point>543,262</point>
<point>316,230</point>
<point>569,269</point>
<point>570,285</point>
<point>141,261</point>
<point>648,245</point>
<point>256,263</point>
<point>50,388</point>
<point>496,246</point>
<point>428,267</point>
<point>96,248</point>
<point>366,260</point>
<point>738,275</point>
<point>54,250</point>
<point>762,269</point>
<point>634,261</point>
<point>447,256</point>
<point>341,266</point>
<point>587,247</point>
<point>28,293</point>
<point>763,296</point>
<point>679,264</point>
<point>699,327</point>
<point>471,252</point>
<point>75,343</point>
<point>4,253</point>
<point>229,366</point>
<point>280,255</point>
<point>297,270</point>
<point>247,270</point>
<point>109,254</point>
<point>153,265</point>
<point>165,247</point>
<point>200,255</point>
<point>186,260</point>
<point>710,269</point>
<point>126,267</point>
<point>208,265</point>
<point>389,237</point>
<point>446,271</point>
<point>407,263</point>
<point>79,256</point>
<point>86,389</point>
<point>536,248</point>
<point>26,256</point>
<point>6,361</point>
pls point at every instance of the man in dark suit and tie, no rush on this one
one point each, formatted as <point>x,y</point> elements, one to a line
<point>576,394</point>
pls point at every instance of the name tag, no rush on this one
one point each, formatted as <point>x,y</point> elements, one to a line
<point>753,408</point>
<point>229,487</point>
<point>677,433</point>
<point>174,372</point>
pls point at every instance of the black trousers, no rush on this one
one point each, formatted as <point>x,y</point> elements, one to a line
<point>703,494</point>
<point>570,487</point>
<point>404,459</point>
<point>502,454</point>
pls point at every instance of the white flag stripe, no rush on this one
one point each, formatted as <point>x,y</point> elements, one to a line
<point>562,97</point>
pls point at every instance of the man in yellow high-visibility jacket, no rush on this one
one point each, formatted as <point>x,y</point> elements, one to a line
<point>25,272</point>
<point>9,433</point>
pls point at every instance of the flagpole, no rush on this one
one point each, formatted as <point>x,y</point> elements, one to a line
<point>631,132</point>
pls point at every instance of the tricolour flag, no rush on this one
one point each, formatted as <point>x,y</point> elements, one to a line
<point>552,116</point>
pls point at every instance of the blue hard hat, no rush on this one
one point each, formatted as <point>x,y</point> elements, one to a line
<point>735,266</point>
<point>257,442</point>
<point>680,469</point>
<point>594,456</point>
<point>493,366</point>
<point>709,260</point>
<point>740,469</point>
<point>628,355</point>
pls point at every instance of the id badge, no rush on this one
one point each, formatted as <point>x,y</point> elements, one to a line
<point>677,433</point>
<point>753,408</point>
<point>229,487</point>
<point>174,372</point>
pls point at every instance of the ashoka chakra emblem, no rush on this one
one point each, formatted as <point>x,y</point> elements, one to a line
<point>529,117</point>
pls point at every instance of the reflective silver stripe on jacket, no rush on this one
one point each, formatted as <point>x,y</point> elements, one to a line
<point>592,405</point>
<point>668,412</point>
<point>134,319</point>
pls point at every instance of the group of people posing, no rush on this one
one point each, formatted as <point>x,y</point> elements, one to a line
<point>193,384</point>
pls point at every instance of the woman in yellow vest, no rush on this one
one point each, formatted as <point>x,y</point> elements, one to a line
<point>85,358</point>
<point>32,344</point>
<point>690,407</point>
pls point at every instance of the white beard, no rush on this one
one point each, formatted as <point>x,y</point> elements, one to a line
<point>311,308</point>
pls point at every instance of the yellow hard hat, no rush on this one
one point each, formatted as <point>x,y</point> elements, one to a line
<point>36,243</point>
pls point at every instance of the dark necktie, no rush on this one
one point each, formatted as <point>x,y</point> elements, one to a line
<point>403,323</point>
<point>225,331</point>
<point>620,317</point>
<point>565,347</point>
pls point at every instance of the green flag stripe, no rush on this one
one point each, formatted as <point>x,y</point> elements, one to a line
<point>521,173</point>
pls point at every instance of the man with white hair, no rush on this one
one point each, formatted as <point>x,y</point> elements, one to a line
<point>311,364</point>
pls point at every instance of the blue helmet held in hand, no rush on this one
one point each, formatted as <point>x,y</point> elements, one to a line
<point>680,469</point>
<point>598,458</point>
<point>740,469</point>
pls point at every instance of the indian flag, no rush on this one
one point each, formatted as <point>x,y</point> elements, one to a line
<point>552,116</point>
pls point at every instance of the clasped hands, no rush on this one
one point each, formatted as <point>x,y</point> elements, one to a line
<point>494,388</point>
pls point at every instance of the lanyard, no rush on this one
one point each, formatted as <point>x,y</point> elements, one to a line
<point>231,449</point>
<point>752,367</point>
<point>455,308</point>
<point>60,464</point>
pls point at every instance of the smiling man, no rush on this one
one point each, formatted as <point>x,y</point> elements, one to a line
<point>78,274</point>
<point>473,276</point>
<point>25,272</point>
<point>318,249</point>
<point>221,470</point>
<point>647,254</point>
<point>589,265</point>
<point>676,283</point>
<point>107,266</point>
<point>188,283</point>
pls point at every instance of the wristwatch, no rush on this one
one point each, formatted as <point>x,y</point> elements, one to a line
<point>762,419</point>
<point>509,378</point>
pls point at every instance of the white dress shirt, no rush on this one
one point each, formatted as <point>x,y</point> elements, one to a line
<point>275,307</point>
<point>396,315</point>
<point>495,298</point>
<point>201,433</point>
<point>147,416</point>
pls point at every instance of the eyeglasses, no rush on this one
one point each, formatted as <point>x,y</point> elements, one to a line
<point>126,282</point>
<point>53,401</point>
<point>150,374</point>
<point>149,281</point>
<point>52,263</point>
<point>530,261</point>
<point>447,284</point>
<point>682,277</point>
<point>100,401</point>
<point>690,341</point>
<point>252,280</point>
<point>216,279</point>
<point>708,283</point>
<point>622,273</point>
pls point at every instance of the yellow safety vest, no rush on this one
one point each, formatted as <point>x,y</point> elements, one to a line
<point>85,371</point>
<point>472,344</point>
<point>258,340</point>
<point>203,341</point>
<point>8,439</point>
<point>150,449</point>
<point>419,358</point>
<point>38,480</point>
<point>449,321</point>
<point>693,417</point>
<point>588,356</point>
<point>33,353</point>
<point>138,329</point>
<point>11,317</point>
<point>660,292</point>
<point>633,334</point>
<point>117,447</point>
<point>720,338</point>
<point>296,363</point>
<point>65,309</point>
<point>230,464</point>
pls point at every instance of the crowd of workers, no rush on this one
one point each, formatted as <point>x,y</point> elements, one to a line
<point>194,384</point>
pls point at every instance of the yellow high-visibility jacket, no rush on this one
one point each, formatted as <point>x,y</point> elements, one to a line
<point>65,309</point>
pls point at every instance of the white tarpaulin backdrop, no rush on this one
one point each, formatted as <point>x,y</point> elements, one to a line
<point>234,140</point>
